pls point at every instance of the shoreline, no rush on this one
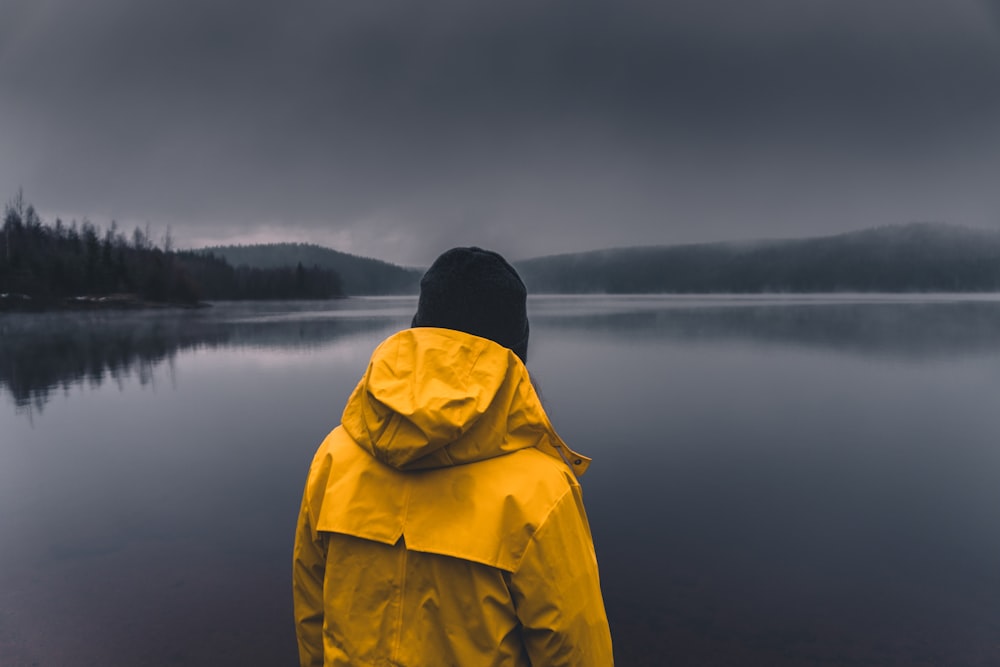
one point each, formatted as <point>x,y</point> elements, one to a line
<point>22,303</point>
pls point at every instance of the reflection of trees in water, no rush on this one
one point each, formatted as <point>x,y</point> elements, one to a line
<point>909,330</point>
<point>41,354</point>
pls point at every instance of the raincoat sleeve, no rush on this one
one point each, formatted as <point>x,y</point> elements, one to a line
<point>309,564</point>
<point>557,592</point>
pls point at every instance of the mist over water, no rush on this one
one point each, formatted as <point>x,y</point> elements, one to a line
<point>782,481</point>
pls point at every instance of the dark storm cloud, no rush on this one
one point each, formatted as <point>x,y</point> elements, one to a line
<point>398,128</point>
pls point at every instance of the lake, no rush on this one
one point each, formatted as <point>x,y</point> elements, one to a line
<point>785,480</point>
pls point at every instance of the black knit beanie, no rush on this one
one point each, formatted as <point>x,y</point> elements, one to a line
<point>478,292</point>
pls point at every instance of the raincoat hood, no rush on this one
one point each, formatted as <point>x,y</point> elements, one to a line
<point>433,398</point>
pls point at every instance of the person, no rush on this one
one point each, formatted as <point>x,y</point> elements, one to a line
<point>442,523</point>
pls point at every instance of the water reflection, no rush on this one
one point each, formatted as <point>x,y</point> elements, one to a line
<point>911,328</point>
<point>42,354</point>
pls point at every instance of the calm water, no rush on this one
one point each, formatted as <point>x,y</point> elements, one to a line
<point>780,481</point>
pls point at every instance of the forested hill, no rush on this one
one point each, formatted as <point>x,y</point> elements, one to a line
<point>358,275</point>
<point>54,265</point>
<point>918,257</point>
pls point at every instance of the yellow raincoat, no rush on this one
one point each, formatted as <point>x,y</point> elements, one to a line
<point>442,523</point>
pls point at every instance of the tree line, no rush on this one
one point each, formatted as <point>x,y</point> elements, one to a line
<point>48,263</point>
<point>358,275</point>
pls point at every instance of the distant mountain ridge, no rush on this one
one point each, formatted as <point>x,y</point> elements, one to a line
<point>359,276</point>
<point>915,257</point>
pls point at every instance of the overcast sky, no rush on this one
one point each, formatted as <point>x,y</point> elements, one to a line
<point>399,129</point>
